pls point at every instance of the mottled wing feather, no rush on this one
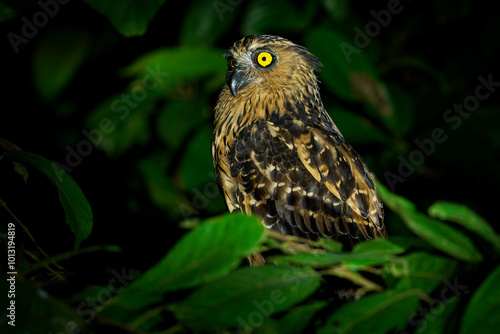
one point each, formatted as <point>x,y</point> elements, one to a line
<point>304,181</point>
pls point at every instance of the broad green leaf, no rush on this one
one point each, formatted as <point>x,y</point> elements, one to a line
<point>214,248</point>
<point>246,297</point>
<point>205,21</point>
<point>36,311</point>
<point>379,246</point>
<point>57,58</point>
<point>343,72</point>
<point>442,237</point>
<point>377,313</point>
<point>426,271</point>
<point>463,215</point>
<point>76,208</point>
<point>481,314</point>
<point>129,17</point>
<point>438,234</point>
<point>330,259</point>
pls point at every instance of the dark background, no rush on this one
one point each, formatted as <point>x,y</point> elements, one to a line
<point>425,60</point>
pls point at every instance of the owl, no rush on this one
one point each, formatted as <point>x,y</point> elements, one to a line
<point>277,153</point>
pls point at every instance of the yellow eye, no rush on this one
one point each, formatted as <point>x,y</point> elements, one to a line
<point>264,59</point>
<point>232,63</point>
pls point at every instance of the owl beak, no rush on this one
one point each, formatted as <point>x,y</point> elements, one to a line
<point>237,81</point>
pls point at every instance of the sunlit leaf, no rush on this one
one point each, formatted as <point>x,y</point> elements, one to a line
<point>246,295</point>
<point>463,215</point>
<point>379,246</point>
<point>330,259</point>
<point>377,313</point>
<point>76,208</point>
<point>129,17</point>
<point>481,314</point>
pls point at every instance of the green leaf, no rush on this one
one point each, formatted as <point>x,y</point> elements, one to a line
<point>441,318</point>
<point>57,58</point>
<point>442,237</point>
<point>261,16</point>
<point>214,248</point>
<point>438,234</point>
<point>205,21</point>
<point>426,271</point>
<point>6,12</point>
<point>76,208</point>
<point>329,259</point>
<point>246,297</point>
<point>196,165</point>
<point>339,72</point>
<point>481,314</point>
<point>379,246</point>
<point>129,17</point>
<point>377,313</point>
<point>463,215</point>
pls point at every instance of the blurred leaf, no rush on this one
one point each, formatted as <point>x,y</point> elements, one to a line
<point>167,67</point>
<point>262,16</point>
<point>129,17</point>
<point>463,215</point>
<point>196,165</point>
<point>357,129</point>
<point>379,246</point>
<point>161,189</point>
<point>426,271</point>
<point>194,259</point>
<point>329,259</point>
<point>481,314</point>
<point>6,13</point>
<point>76,208</point>
<point>337,9</point>
<point>121,122</point>
<point>246,294</point>
<point>57,58</point>
<point>442,237</point>
<point>376,313</point>
<point>395,202</point>
<point>205,21</point>
<point>339,67</point>
<point>35,311</point>
<point>177,120</point>
<point>401,119</point>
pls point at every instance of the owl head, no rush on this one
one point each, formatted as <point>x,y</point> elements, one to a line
<point>268,63</point>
